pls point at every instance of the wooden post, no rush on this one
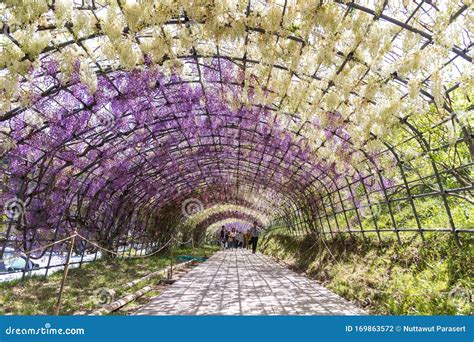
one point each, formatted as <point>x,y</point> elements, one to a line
<point>66,269</point>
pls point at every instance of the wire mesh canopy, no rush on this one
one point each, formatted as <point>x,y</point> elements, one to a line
<point>123,119</point>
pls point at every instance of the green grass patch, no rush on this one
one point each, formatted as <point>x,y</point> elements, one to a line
<point>384,277</point>
<point>38,295</point>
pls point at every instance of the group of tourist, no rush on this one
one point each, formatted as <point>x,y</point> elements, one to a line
<point>234,238</point>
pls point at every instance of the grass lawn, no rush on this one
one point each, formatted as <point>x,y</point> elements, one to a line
<point>38,295</point>
<point>414,278</point>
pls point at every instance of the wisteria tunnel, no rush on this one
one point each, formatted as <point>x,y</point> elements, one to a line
<point>127,127</point>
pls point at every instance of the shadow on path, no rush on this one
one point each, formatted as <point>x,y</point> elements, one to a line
<point>237,282</point>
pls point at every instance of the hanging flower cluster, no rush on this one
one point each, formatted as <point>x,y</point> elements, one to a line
<point>349,63</point>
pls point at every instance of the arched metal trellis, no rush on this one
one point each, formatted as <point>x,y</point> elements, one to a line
<point>327,117</point>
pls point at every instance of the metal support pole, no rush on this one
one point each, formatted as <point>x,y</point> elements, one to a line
<point>171,262</point>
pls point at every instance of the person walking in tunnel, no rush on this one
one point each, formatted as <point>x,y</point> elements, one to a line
<point>240,239</point>
<point>247,238</point>
<point>254,236</point>
<point>226,239</point>
<point>222,237</point>
<point>233,239</point>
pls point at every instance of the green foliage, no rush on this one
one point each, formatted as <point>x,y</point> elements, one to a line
<point>414,278</point>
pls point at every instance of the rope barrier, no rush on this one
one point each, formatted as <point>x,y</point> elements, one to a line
<point>43,247</point>
<point>92,243</point>
<point>72,238</point>
<point>121,254</point>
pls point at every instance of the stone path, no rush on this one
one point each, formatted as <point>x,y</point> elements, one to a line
<point>237,282</point>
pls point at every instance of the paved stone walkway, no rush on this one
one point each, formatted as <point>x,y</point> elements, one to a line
<point>237,282</point>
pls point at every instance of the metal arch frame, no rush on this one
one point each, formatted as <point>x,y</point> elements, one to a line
<point>223,215</point>
<point>416,135</point>
<point>403,26</point>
